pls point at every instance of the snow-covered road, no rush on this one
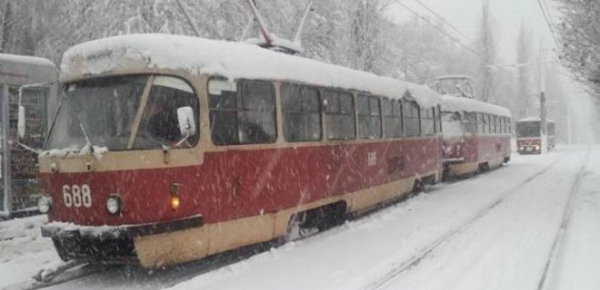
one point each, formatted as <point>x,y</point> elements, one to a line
<point>513,228</point>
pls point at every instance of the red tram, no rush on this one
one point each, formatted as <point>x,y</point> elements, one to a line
<point>167,149</point>
<point>528,135</point>
<point>476,135</point>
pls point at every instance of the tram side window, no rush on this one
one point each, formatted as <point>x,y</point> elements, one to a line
<point>469,123</point>
<point>438,119</point>
<point>340,115</point>
<point>369,117</point>
<point>494,121</point>
<point>392,117</point>
<point>301,113</point>
<point>242,113</point>
<point>427,122</point>
<point>498,124</point>
<point>480,124</point>
<point>411,119</point>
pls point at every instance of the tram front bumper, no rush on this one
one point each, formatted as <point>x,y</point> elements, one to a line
<point>529,149</point>
<point>118,244</point>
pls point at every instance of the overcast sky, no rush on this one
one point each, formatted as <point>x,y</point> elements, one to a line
<point>508,15</point>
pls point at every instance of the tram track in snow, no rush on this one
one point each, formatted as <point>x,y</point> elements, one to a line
<point>559,238</point>
<point>426,251</point>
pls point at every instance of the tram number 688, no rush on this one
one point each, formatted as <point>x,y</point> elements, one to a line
<point>77,196</point>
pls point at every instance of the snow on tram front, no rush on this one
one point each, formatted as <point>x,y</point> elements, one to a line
<point>167,149</point>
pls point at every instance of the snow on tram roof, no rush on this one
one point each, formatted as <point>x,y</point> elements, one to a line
<point>229,59</point>
<point>24,59</point>
<point>458,104</point>
<point>534,119</point>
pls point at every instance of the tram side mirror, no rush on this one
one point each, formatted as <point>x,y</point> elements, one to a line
<point>21,122</point>
<point>187,126</point>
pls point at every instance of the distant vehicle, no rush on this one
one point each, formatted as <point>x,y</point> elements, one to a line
<point>19,166</point>
<point>528,135</point>
<point>168,149</point>
<point>476,135</point>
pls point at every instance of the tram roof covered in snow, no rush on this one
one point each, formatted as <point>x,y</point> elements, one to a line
<point>228,59</point>
<point>20,69</point>
<point>459,104</point>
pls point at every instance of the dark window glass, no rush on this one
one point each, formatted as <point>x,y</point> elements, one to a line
<point>301,113</point>
<point>243,113</point>
<point>528,129</point>
<point>160,124</point>
<point>427,122</point>
<point>412,125</point>
<point>486,124</point>
<point>438,119</point>
<point>392,118</point>
<point>369,117</point>
<point>340,115</point>
<point>471,125</point>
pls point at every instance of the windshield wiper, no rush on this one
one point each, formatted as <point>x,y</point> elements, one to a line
<point>87,138</point>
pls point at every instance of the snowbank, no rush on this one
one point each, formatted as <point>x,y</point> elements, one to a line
<point>459,104</point>
<point>229,59</point>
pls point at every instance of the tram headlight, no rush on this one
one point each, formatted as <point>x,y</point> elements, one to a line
<point>537,148</point>
<point>44,204</point>
<point>114,204</point>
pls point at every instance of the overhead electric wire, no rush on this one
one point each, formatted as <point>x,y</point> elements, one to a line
<point>548,23</point>
<point>443,19</point>
<point>437,28</point>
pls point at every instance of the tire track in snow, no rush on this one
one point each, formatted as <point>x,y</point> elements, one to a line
<point>557,244</point>
<point>414,260</point>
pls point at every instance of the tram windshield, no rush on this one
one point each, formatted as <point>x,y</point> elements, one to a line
<point>452,124</point>
<point>528,129</point>
<point>97,112</point>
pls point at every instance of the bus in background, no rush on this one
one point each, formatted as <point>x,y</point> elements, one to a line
<point>37,80</point>
<point>528,135</point>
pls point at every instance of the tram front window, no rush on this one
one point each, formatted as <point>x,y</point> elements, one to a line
<point>528,129</point>
<point>102,110</point>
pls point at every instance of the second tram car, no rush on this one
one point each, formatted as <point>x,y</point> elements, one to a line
<point>476,135</point>
<point>167,149</point>
<point>528,135</point>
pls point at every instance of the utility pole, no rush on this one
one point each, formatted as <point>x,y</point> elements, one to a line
<point>5,161</point>
<point>543,122</point>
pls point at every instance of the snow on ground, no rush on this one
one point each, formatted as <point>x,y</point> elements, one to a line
<point>23,251</point>
<point>443,239</point>
<point>579,260</point>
